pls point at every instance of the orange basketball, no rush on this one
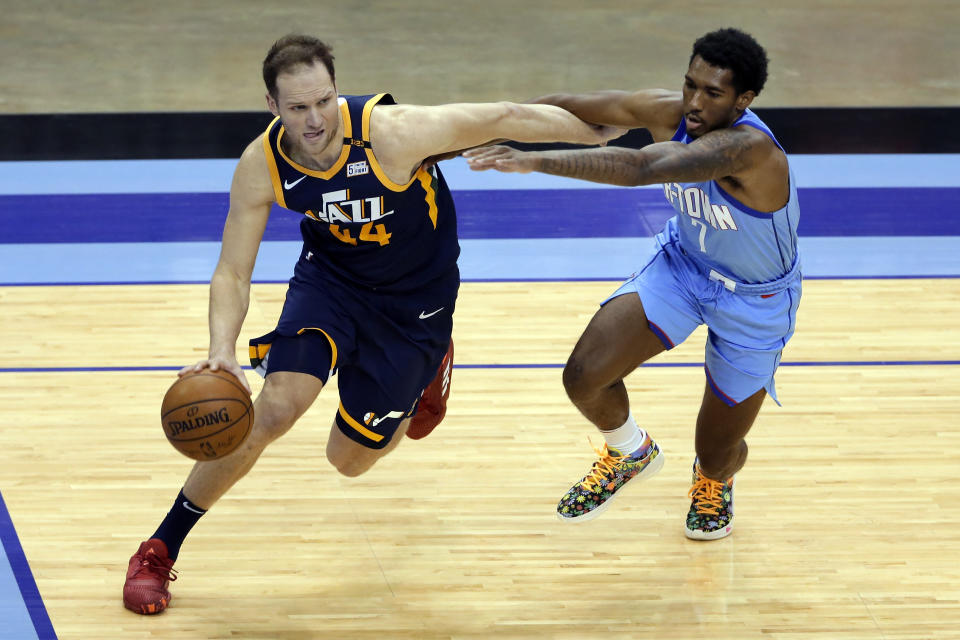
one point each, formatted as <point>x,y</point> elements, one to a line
<point>206,414</point>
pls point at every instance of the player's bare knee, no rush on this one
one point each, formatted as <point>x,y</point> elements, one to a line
<point>572,376</point>
<point>272,420</point>
<point>352,470</point>
<point>349,466</point>
<point>577,380</point>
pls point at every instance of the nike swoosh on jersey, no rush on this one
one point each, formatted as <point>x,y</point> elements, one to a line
<point>291,185</point>
<point>424,315</point>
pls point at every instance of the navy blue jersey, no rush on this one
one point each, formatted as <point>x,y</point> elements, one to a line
<point>358,224</point>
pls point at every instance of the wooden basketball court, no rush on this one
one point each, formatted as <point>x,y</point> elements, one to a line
<point>847,514</point>
<point>846,517</point>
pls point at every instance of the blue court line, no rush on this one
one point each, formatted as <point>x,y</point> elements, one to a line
<point>669,365</point>
<point>87,369</point>
<point>215,175</point>
<point>28,588</point>
<point>615,280</point>
<point>944,276</point>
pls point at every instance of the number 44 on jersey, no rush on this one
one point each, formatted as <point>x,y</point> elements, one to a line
<point>338,209</point>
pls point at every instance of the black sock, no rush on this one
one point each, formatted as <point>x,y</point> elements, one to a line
<point>175,527</point>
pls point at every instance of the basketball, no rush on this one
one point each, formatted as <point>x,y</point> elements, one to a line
<point>206,414</point>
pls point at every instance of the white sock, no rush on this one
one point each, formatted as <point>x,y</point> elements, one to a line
<point>626,438</point>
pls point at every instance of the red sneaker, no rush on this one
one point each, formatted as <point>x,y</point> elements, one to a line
<point>433,401</point>
<point>149,573</point>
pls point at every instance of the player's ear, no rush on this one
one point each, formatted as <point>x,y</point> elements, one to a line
<point>744,100</point>
<point>272,105</point>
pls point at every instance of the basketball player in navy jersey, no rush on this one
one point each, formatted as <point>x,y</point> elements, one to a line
<point>373,293</point>
<point>727,259</point>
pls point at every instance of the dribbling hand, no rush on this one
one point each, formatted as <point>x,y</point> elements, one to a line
<point>216,363</point>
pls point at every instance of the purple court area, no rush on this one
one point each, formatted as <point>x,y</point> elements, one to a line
<point>482,214</point>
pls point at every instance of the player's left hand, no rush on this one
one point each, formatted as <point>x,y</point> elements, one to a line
<point>432,160</point>
<point>501,158</point>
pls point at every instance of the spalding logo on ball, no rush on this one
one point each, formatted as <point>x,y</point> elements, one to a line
<point>206,414</point>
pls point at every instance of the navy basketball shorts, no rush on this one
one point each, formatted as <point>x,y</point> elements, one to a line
<point>746,333</point>
<point>385,348</point>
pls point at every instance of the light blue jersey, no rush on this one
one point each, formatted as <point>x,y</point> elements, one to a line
<point>725,235</point>
<point>736,270</point>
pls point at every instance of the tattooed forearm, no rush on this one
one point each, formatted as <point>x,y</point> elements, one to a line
<point>716,155</point>
<point>609,165</point>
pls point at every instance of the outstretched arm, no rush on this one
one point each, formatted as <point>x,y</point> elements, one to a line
<point>656,110</point>
<point>717,154</point>
<point>403,136</point>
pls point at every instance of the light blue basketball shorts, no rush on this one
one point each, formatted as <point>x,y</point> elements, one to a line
<point>748,326</point>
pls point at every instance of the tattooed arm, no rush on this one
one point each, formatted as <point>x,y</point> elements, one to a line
<point>718,154</point>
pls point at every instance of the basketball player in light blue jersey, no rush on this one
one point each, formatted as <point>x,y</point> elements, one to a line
<point>373,292</point>
<point>727,259</point>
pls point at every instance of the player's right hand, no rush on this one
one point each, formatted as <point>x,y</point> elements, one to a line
<point>229,365</point>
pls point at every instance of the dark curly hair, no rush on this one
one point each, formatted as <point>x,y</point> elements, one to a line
<point>291,50</point>
<point>738,51</point>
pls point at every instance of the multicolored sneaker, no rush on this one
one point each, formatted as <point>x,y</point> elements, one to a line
<point>593,494</point>
<point>433,400</point>
<point>711,510</point>
<point>148,575</point>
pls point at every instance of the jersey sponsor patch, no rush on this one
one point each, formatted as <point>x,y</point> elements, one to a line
<point>357,168</point>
